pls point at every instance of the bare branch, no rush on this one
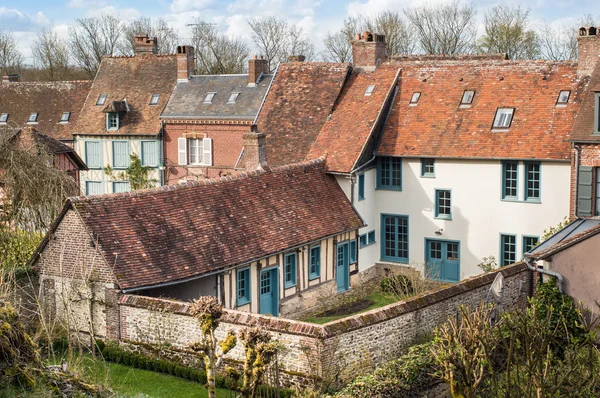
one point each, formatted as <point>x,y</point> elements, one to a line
<point>51,55</point>
<point>167,37</point>
<point>10,57</point>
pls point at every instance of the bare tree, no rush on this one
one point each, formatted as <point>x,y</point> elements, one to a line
<point>10,56</point>
<point>167,37</point>
<point>400,38</point>
<point>298,43</point>
<point>337,48</point>
<point>215,52</point>
<point>51,55</point>
<point>506,32</point>
<point>560,43</point>
<point>93,38</point>
<point>444,29</point>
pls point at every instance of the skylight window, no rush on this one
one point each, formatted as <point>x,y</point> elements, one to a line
<point>209,97</point>
<point>101,99</point>
<point>232,98</point>
<point>415,98</point>
<point>32,117</point>
<point>369,90</point>
<point>563,97</point>
<point>3,118</point>
<point>467,98</point>
<point>503,118</point>
<point>154,99</point>
<point>64,118</point>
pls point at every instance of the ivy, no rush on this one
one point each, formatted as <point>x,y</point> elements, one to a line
<point>137,175</point>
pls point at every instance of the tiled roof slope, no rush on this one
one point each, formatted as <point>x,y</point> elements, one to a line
<point>437,127</point>
<point>134,79</point>
<point>176,232</point>
<point>301,97</point>
<point>57,147</point>
<point>346,133</point>
<point>49,100</point>
<point>187,100</point>
<point>584,125</point>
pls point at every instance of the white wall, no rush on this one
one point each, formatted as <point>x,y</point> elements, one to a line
<point>479,215</point>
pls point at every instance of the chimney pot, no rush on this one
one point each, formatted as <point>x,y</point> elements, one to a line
<point>368,51</point>
<point>145,45</point>
<point>296,58</point>
<point>588,50</point>
<point>255,149</point>
<point>257,67</point>
<point>185,63</point>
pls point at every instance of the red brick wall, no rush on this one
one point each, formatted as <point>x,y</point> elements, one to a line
<point>589,156</point>
<point>226,148</point>
<point>588,53</point>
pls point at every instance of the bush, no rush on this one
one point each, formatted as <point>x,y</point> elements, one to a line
<point>399,285</point>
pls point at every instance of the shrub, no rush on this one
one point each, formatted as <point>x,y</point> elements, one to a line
<point>201,376</point>
<point>399,285</point>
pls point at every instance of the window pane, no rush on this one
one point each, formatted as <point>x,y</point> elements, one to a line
<point>209,97</point>
<point>510,180</point>
<point>435,250</point>
<point>563,97</point>
<point>529,243</point>
<point>65,116</point>
<point>265,283</point>
<point>532,181</point>
<point>101,99</point>
<point>443,203</point>
<point>452,251</point>
<point>415,98</point>
<point>232,98</point>
<point>154,99</point>
<point>315,261</point>
<point>467,97</point>
<point>371,237</point>
<point>509,249</point>
<point>369,90</point>
<point>503,117</point>
<point>4,117</point>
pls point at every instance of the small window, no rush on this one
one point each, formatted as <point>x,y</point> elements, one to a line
<point>361,187</point>
<point>503,118</point>
<point>369,90</point>
<point>64,118</point>
<point>389,173</point>
<point>209,97</point>
<point>353,252</point>
<point>467,98</point>
<point>510,172</point>
<point>232,98</point>
<point>428,168</point>
<point>3,118</point>
<point>154,99</point>
<point>112,121</point>
<point>32,117</point>
<point>290,270</point>
<point>121,157</point>
<point>243,286</point>
<point>508,249</point>
<point>529,243</point>
<point>371,236</point>
<point>315,263</point>
<point>563,97</point>
<point>597,113</point>
<point>532,181</point>
<point>101,99</point>
<point>149,153</point>
<point>443,204</point>
<point>367,239</point>
<point>415,98</point>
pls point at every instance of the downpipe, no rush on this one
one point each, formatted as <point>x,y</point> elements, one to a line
<point>559,277</point>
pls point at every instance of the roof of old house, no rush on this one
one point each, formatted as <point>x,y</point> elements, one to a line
<point>57,147</point>
<point>301,97</point>
<point>584,125</point>
<point>134,80</point>
<point>188,98</point>
<point>174,233</point>
<point>438,126</point>
<point>348,133</point>
<point>49,100</point>
<point>575,232</point>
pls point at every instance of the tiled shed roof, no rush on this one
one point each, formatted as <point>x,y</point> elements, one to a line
<point>438,127</point>
<point>584,125</point>
<point>49,100</point>
<point>133,79</point>
<point>301,97</point>
<point>173,233</point>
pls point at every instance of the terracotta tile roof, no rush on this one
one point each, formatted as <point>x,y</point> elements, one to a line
<point>584,125</point>
<point>49,100</point>
<point>437,127</point>
<point>177,232</point>
<point>301,97</point>
<point>346,133</point>
<point>133,79</point>
<point>57,147</point>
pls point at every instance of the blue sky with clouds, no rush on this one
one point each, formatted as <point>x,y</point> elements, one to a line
<point>26,18</point>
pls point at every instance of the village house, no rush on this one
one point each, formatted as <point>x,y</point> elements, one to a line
<point>207,117</point>
<point>262,241</point>
<point>121,116</point>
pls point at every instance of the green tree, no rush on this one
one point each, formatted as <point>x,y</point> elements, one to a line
<point>260,351</point>
<point>137,175</point>
<point>506,32</point>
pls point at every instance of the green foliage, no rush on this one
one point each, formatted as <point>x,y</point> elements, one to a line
<point>552,230</point>
<point>400,285</point>
<point>488,264</point>
<point>137,175</point>
<point>17,247</point>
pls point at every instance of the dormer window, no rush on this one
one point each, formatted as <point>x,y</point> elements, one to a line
<point>232,98</point>
<point>32,117</point>
<point>467,98</point>
<point>209,97</point>
<point>101,99</point>
<point>503,118</point>
<point>415,98</point>
<point>369,90</point>
<point>563,97</point>
<point>154,99</point>
<point>64,118</point>
<point>112,121</point>
<point>3,118</point>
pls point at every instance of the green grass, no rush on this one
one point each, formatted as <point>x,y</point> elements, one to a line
<point>379,298</point>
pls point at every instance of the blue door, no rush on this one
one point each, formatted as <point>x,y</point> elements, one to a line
<point>442,260</point>
<point>269,292</point>
<point>342,268</point>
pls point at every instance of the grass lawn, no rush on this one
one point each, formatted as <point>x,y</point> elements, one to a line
<point>378,297</point>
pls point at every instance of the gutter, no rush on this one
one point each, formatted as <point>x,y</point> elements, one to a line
<point>529,263</point>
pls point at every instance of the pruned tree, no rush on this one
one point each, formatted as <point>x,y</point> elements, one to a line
<point>167,37</point>
<point>93,38</point>
<point>215,52</point>
<point>11,58</point>
<point>444,29</point>
<point>260,350</point>
<point>506,32</point>
<point>51,55</point>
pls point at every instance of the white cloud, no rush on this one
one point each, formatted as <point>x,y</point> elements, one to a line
<point>125,14</point>
<point>86,3</point>
<point>17,21</point>
<point>188,5</point>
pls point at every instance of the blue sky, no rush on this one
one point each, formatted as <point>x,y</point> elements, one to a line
<point>26,18</point>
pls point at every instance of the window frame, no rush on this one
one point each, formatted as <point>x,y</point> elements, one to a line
<point>413,101</point>
<point>64,120</point>
<point>109,118</point>
<point>4,117</point>
<point>438,215</point>
<point>352,252</point>
<point>500,110</point>
<point>368,241</point>
<point>247,298</point>
<point>462,99</point>
<point>369,90</point>
<point>152,101</point>
<point>199,149</point>
<point>524,246</point>
<point>559,102</point>
<point>209,97</point>
<point>235,95</point>
<point>312,275</point>
<point>33,118</point>
<point>526,197</point>
<point>101,100</point>
<point>397,259</point>
<point>503,178</point>
<point>424,173</point>
<point>391,161</point>
<point>502,252</point>
<point>361,186</point>
<point>292,282</point>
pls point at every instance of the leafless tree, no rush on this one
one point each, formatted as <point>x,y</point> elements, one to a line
<point>299,43</point>
<point>215,52</point>
<point>444,29</point>
<point>506,32</point>
<point>51,55</point>
<point>337,47</point>
<point>167,37</point>
<point>10,56</point>
<point>93,38</point>
<point>400,38</point>
<point>560,43</point>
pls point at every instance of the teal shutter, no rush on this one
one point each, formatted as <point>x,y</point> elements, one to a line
<point>120,154</point>
<point>92,155</point>
<point>93,188</point>
<point>149,153</point>
<point>584,191</point>
<point>352,251</point>
<point>121,186</point>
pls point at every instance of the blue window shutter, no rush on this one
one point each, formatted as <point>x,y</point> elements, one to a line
<point>93,188</point>
<point>584,191</point>
<point>121,186</point>
<point>120,154</point>
<point>149,153</point>
<point>92,154</point>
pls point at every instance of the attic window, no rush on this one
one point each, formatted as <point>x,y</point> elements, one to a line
<point>3,118</point>
<point>32,117</point>
<point>563,97</point>
<point>369,90</point>
<point>209,97</point>
<point>503,118</point>
<point>415,98</point>
<point>467,98</point>
<point>64,118</point>
<point>101,99</point>
<point>232,98</point>
<point>154,99</point>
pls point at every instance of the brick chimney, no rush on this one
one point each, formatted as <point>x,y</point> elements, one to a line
<point>145,45</point>
<point>10,78</point>
<point>368,50</point>
<point>296,58</point>
<point>185,63</point>
<point>256,67</point>
<point>588,49</point>
<point>255,149</point>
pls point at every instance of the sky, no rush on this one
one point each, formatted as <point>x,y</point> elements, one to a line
<point>26,18</point>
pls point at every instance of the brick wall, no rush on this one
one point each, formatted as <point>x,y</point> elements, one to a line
<point>589,156</point>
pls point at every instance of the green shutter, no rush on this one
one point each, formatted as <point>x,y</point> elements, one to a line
<point>584,191</point>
